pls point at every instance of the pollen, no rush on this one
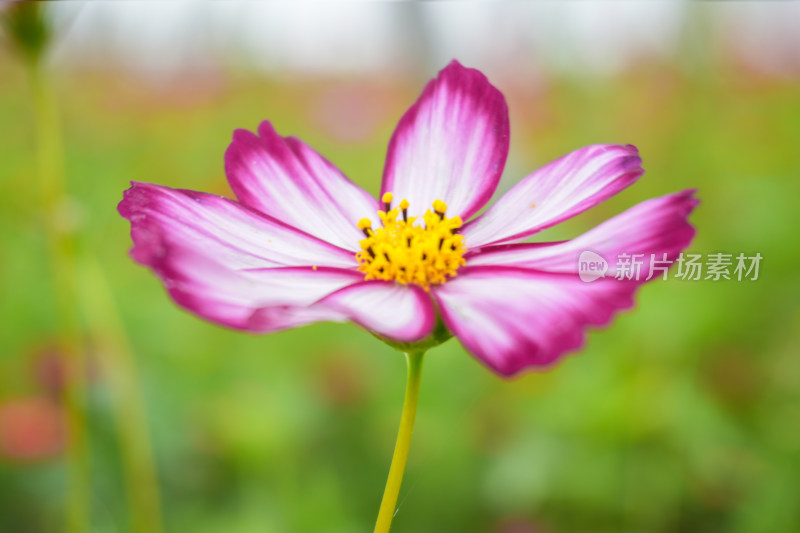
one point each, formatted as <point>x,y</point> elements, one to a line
<point>425,250</point>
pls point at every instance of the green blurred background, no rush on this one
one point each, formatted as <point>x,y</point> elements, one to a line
<point>684,416</point>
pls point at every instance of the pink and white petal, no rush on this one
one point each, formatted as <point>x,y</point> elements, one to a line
<point>513,319</point>
<point>284,178</point>
<point>450,145</point>
<point>233,235</point>
<point>231,297</point>
<point>557,191</point>
<point>656,229</point>
<point>402,313</point>
<point>399,313</point>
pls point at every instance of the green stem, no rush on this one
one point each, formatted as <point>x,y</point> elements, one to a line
<point>61,247</point>
<point>107,332</point>
<point>400,457</point>
<point>129,414</point>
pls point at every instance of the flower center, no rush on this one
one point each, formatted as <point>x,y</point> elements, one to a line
<point>424,250</point>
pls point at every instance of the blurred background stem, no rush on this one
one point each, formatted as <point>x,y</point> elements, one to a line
<point>30,30</point>
<point>61,247</point>
<point>130,419</point>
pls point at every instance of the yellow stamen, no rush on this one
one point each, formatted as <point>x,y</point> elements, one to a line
<point>424,250</point>
<point>365,225</point>
<point>387,201</point>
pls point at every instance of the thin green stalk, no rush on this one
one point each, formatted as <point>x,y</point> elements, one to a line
<point>108,334</point>
<point>61,247</point>
<point>400,457</point>
<point>129,414</point>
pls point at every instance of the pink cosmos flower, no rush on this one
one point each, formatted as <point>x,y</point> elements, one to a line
<point>304,244</point>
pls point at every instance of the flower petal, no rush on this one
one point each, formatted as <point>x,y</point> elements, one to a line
<point>230,297</point>
<point>450,145</point>
<point>515,318</point>
<point>235,267</point>
<point>657,228</point>
<point>402,313</point>
<point>557,191</point>
<point>233,235</point>
<point>284,178</point>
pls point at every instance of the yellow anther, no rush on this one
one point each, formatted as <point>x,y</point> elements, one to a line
<point>387,198</point>
<point>425,253</point>
<point>364,223</point>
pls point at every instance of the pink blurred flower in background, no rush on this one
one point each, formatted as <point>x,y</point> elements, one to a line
<point>31,428</point>
<point>304,244</point>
